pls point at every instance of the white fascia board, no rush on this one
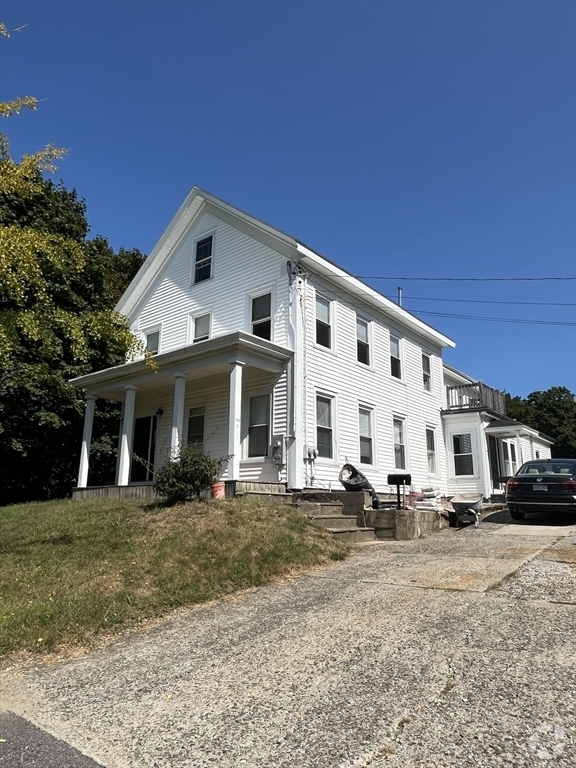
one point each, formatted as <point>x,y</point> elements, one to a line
<point>458,376</point>
<point>357,288</point>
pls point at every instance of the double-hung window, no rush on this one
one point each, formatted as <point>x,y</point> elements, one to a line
<point>323,322</point>
<point>259,426</point>
<point>431,450</point>
<point>196,419</point>
<point>324,439</point>
<point>399,444</point>
<point>395,361</point>
<point>201,327</point>
<point>426,372</point>
<point>463,461</point>
<point>365,434</point>
<point>203,259</point>
<point>153,342</point>
<point>362,342</point>
<point>510,462</point>
<point>262,316</point>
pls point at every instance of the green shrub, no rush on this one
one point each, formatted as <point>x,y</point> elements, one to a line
<point>186,475</point>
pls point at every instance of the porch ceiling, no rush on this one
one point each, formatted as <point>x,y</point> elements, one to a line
<point>198,361</point>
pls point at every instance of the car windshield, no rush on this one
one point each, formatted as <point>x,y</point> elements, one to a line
<point>549,468</point>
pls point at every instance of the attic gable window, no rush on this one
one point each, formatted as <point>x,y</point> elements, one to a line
<point>201,327</point>
<point>262,316</point>
<point>203,263</point>
<point>153,342</point>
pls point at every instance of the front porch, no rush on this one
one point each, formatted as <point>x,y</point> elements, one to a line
<point>227,396</point>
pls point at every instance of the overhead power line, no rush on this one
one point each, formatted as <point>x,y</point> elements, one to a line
<point>457,279</point>
<point>499,319</point>
<point>491,301</point>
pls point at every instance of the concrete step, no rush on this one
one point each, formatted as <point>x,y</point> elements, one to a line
<point>334,521</point>
<point>353,535</point>
<point>277,498</point>
<point>319,508</point>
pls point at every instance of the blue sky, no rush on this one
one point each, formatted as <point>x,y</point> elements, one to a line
<point>399,139</point>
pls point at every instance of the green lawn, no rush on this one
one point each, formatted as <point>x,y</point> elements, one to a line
<point>71,570</point>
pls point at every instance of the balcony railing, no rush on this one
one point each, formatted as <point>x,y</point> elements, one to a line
<point>475,396</point>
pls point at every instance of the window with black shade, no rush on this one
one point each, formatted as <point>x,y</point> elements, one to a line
<point>143,450</point>
<point>463,462</point>
<point>323,325</point>
<point>431,451</point>
<point>202,327</point>
<point>203,260</point>
<point>262,316</point>
<point>395,361</point>
<point>426,373</point>
<point>153,342</point>
<point>399,445</point>
<point>362,342</point>
<point>365,433</point>
<point>324,427</point>
<point>259,426</point>
<point>196,421</point>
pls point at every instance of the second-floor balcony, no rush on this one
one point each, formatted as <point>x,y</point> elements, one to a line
<point>476,395</point>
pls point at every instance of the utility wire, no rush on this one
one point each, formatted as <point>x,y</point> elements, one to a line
<point>498,319</point>
<point>488,301</point>
<point>458,279</point>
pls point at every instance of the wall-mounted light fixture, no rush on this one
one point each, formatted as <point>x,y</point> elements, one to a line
<point>159,412</point>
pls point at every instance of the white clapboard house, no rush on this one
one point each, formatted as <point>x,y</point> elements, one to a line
<point>270,354</point>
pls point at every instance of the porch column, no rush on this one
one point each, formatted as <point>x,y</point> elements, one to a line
<point>178,413</point>
<point>126,435</point>
<point>86,439</point>
<point>235,419</point>
<point>519,460</point>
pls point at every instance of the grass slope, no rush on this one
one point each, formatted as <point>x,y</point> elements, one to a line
<point>70,570</point>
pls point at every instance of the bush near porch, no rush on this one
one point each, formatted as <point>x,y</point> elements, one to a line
<point>72,571</point>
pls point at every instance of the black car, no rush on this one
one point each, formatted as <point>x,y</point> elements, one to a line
<point>542,486</point>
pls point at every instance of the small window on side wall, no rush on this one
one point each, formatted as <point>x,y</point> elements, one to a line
<point>262,316</point>
<point>463,461</point>
<point>426,372</point>
<point>153,342</point>
<point>395,361</point>
<point>399,444</point>
<point>365,435</point>
<point>362,342</point>
<point>203,259</point>
<point>259,426</point>
<point>196,420</point>
<point>324,427</point>
<point>323,323</point>
<point>201,327</point>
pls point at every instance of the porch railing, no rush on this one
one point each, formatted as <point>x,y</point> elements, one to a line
<point>475,396</point>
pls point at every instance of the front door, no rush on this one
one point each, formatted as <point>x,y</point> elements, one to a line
<point>143,446</point>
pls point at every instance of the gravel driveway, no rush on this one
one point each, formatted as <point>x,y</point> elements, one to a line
<point>456,650</point>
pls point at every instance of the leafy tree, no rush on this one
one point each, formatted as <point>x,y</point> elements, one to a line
<point>552,412</point>
<point>57,293</point>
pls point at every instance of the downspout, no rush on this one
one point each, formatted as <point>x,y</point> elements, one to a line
<point>295,384</point>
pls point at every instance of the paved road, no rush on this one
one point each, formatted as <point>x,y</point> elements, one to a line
<point>455,650</point>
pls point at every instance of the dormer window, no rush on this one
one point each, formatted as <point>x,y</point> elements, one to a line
<point>203,262</point>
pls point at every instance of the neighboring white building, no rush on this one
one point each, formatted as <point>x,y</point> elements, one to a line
<point>268,352</point>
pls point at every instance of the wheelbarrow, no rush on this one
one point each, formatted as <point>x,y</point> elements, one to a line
<point>467,508</point>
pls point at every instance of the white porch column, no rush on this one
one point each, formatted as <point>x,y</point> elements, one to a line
<point>86,439</point>
<point>126,435</point>
<point>235,419</point>
<point>519,460</point>
<point>178,413</point>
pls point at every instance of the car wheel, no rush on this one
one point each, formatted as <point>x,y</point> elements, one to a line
<point>516,514</point>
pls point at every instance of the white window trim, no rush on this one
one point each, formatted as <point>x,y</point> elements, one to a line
<point>332,310</point>
<point>453,455</point>
<point>369,324</point>
<point>431,428</point>
<point>334,410</point>
<point>192,321</point>
<point>195,241</point>
<point>404,420</point>
<point>401,357</point>
<point>247,395</point>
<point>152,329</point>
<point>373,431</point>
<point>271,289</point>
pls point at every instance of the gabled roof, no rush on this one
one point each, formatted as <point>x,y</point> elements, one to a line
<point>286,244</point>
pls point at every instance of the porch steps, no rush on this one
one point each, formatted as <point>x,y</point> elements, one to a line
<point>277,498</point>
<point>328,514</point>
